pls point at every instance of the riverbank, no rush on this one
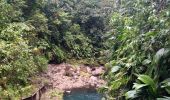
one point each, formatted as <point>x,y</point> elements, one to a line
<point>66,77</point>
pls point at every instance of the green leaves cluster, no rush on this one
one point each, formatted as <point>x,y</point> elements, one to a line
<point>35,32</point>
<point>140,33</point>
<point>18,60</point>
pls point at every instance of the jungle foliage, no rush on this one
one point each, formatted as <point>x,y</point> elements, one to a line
<point>141,55</point>
<point>34,33</point>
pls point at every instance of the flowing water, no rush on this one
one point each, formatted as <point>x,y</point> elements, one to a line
<point>83,95</point>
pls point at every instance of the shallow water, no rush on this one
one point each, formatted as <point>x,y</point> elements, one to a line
<point>83,95</point>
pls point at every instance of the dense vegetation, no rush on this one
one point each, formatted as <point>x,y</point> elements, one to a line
<point>34,33</point>
<point>140,62</point>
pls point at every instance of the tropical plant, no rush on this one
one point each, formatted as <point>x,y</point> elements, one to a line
<point>141,28</point>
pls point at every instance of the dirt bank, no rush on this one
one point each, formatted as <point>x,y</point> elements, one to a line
<point>65,77</point>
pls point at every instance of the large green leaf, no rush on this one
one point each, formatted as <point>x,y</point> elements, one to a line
<point>166,85</point>
<point>138,86</point>
<point>115,69</point>
<point>165,98</point>
<point>146,62</point>
<point>162,53</point>
<point>132,94</point>
<point>148,81</point>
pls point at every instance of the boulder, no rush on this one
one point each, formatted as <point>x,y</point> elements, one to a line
<point>98,71</point>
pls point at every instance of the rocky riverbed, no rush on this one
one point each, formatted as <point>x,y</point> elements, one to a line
<point>65,77</point>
